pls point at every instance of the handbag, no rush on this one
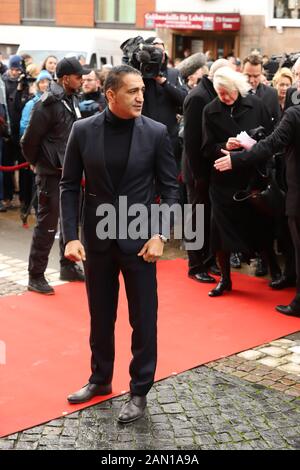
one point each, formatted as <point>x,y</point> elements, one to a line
<point>269,201</point>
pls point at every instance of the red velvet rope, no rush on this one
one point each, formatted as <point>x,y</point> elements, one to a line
<point>15,167</point>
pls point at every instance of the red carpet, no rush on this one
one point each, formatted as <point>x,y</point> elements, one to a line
<point>46,338</point>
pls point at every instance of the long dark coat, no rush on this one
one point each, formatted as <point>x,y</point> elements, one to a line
<point>235,226</point>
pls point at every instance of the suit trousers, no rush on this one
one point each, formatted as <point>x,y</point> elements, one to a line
<point>294,225</point>
<point>102,281</point>
<point>198,194</point>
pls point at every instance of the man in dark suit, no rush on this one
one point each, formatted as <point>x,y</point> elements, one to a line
<point>253,69</point>
<point>122,154</point>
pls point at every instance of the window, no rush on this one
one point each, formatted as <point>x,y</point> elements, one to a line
<point>115,11</point>
<point>283,13</point>
<point>33,10</point>
<point>287,9</point>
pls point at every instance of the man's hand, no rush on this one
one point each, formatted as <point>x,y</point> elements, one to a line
<point>233,143</point>
<point>160,79</point>
<point>74,251</point>
<point>152,250</point>
<point>223,163</point>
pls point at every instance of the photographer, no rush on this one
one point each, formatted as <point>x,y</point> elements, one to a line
<point>165,91</point>
<point>17,87</point>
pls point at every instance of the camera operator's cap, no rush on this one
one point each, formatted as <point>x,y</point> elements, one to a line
<point>15,62</point>
<point>70,66</point>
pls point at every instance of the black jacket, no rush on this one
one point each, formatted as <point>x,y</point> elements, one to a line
<point>150,158</point>
<point>16,100</point>
<point>91,103</point>
<point>233,226</point>
<point>292,97</point>
<point>286,135</point>
<point>45,139</point>
<point>221,122</point>
<point>194,103</point>
<point>163,102</point>
<point>269,96</point>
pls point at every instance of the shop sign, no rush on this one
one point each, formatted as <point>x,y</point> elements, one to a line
<point>200,21</point>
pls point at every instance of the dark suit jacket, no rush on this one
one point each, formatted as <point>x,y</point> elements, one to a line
<point>197,99</point>
<point>150,160</point>
<point>269,97</point>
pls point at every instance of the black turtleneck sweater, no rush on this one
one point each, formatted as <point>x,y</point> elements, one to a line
<point>117,141</point>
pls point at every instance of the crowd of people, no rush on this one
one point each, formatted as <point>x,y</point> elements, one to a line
<point>205,104</point>
<point>203,132</point>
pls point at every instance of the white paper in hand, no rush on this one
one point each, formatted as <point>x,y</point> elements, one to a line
<point>246,141</point>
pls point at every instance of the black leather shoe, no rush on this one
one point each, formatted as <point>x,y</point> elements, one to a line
<point>221,287</point>
<point>202,277</point>
<point>288,310</point>
<point>40,285</point>
<point>133,409</point>
<point>88,392</point>
<point>282,283</point>
<point>214,269</point>
<point>261,268</point>
<point>235,261</point>
<point>71,272</point>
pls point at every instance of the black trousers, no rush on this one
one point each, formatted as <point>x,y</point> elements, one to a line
<point>198,194</point>
<point>294,225</point>
<point>46,226</point>
<point>102,281</point>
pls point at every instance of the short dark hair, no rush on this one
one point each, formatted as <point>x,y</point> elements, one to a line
<point>253,59</point>
<point>114,77</point>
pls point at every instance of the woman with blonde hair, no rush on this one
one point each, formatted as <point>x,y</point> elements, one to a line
<point>282,81</point>
<point>234,225</point>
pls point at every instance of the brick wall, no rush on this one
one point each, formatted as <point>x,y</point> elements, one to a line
<point>142,7</point>
<point>254,34</point>
<point>75,13</point>
<point>10,12</point>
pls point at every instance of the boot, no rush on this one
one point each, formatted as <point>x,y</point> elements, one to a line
<point>261,267</point>
<point>235,261</point>
<point>225,280</point>
<point>39,284</point>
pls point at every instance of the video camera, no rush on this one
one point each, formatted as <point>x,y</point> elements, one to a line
<point>142,56</point>
<point>278,61</point>
<point>25,79</point>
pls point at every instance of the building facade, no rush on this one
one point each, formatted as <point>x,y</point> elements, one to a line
<point>222,26</point>
<point>16,16</point>
<point>87,13</point>
<point>227,26</point>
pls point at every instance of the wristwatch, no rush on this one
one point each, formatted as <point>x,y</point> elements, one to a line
<point>159,236</point>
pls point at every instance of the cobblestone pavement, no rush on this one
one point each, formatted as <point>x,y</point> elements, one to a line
<point>250,400</point>
<point>199,409</point>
